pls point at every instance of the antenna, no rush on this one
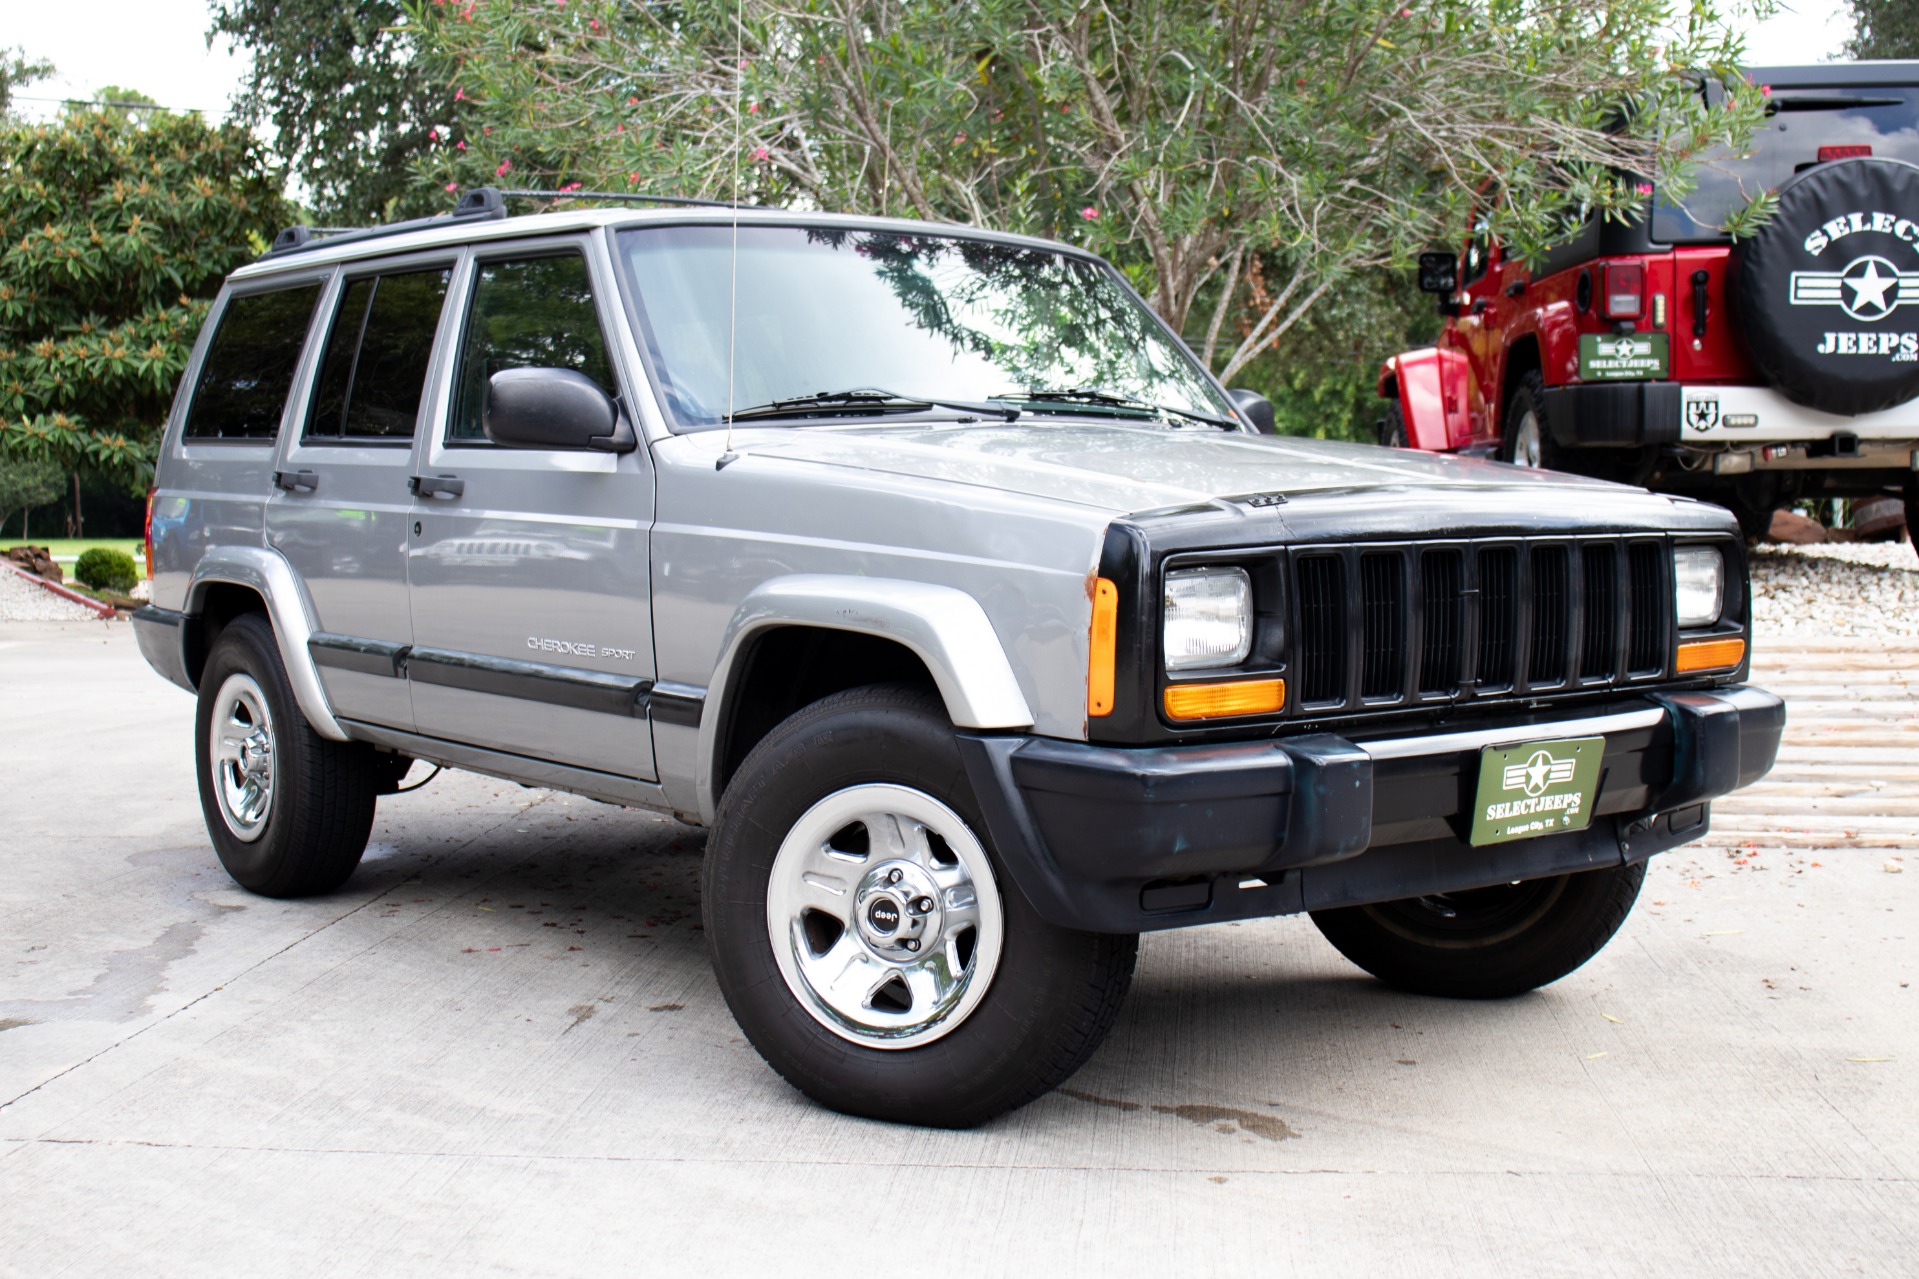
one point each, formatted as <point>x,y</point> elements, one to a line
<point>733,271</point>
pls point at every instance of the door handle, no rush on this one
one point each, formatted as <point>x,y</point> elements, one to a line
<point>1699,282</point>
<point>296,481</point>
<point>441,486</point>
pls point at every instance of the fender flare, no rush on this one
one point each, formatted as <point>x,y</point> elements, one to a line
<point>269,575</point>
<point>945,627</point>
<point>1431,387</point>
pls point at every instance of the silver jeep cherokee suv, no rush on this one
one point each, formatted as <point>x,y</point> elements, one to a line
<point>931,571</point>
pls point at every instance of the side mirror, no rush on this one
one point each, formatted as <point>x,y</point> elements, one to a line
<point>1438,272</point>
<point>1255,408</point>
<point>553,409</point>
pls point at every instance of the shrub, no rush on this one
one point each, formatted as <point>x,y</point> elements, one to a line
<point>105,569</point>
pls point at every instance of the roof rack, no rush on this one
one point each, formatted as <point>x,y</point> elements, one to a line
<point>627,197</point>
<point>481,204</point>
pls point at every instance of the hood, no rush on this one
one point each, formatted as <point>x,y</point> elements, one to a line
<point>1124,468</point>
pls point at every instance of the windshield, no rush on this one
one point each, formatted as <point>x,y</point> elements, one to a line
<point>926,317</point>
<point>1798,123</point>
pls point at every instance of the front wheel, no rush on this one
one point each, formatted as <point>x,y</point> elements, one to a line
<point>865,936</point>
<point>1486,943</point>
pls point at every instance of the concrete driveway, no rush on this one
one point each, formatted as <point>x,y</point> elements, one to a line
<point>500,1052</point>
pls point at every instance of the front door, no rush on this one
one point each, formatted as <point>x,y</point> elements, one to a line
<point>528,569</point>
<point>341,505</point>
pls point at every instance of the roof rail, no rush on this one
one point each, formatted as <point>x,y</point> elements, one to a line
<point>482,204</point>
<point>627,197</point>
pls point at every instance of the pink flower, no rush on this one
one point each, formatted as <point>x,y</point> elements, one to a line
<point>571,186</point>
<point>453,186</point>
<point>619,128</point>
<point>459,95</point>
<point>506,167</point>
<point>632,178</point>
<point>1765,91</point>
<point>595,24</point>
<point>433,135</point>
<point>461,145</point>
<point>752,108</point>
<point>1405,13</point>
<point>743,64</point>
<point>486,128</point>
<point>760,153</point>
<point>1644,188</point>
<point>1089,213</point>
<point>632,102</point>
<point>959,138</point>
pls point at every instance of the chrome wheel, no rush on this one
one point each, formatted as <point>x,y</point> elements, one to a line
<point>884,915</point>
<point>243,755</point>
<point>1528,450</point>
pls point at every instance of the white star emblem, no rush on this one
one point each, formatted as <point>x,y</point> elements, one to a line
<point>1869,290</point>
<point>1536,774</point>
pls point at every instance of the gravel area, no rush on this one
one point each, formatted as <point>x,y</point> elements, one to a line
<point>22,601</point>
<point>1836,590</point>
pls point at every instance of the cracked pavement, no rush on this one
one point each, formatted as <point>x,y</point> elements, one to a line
<point>499,1051</point>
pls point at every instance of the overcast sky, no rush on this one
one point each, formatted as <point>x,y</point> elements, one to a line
<point>159,47</point>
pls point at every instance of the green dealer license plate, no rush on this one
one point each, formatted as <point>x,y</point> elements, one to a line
<point>1538,788</point>
<point>1633,357</point>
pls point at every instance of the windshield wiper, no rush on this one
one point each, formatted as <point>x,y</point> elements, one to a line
<point>1101,396</point>
<point>863,399</point>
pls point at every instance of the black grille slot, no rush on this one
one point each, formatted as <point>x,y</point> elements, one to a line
<point>1498,616</point>
<point>1599,654</point>
<point>1321,666</point>
<point>1443,628</point>
<point>1649,625</point>
<point>1382,662</point>
<point>1550,607</point>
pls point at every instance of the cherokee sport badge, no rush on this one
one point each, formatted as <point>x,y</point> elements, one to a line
<point>1538,788</point>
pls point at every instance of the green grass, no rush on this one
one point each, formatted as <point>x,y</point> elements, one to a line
<point>65,550</point>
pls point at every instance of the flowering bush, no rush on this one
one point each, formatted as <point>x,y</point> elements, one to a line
<point>113,237</point>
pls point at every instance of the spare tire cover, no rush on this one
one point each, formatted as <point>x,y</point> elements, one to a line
<point>1826,296</point>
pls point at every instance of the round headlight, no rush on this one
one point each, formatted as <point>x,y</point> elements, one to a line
<point>1698,584</point>
<point>1209,618</point>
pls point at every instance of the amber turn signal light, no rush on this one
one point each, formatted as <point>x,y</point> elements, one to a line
<point>1103,642</point>
<point>1216,701</point>
<point>1710,655</point>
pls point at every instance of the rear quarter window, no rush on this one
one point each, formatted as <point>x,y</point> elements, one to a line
<point>249,366</point>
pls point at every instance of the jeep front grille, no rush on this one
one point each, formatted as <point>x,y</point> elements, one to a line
<point>1422,623</point>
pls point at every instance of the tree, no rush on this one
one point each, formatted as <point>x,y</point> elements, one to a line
<point>348,99</point>
<point>1188,140</point>
<point>116,235</point>
<point>25,485</point>
<point>1884,29</point>
<point>17,71</point>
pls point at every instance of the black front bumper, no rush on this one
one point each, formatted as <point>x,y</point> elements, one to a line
<point>1126,840</point>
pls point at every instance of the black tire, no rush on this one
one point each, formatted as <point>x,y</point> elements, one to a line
<point>1046,1006</point>
<point>1392,428</point>
<point>1523,440</point>
<point>313,825</point>
<point>1497,942</point>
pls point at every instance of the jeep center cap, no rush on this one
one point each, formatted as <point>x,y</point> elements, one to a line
<point>1826,296</point>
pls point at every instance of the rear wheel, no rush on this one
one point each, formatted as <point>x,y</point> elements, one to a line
<point>1486,943</point>
<point>1523,440</point>
<point>864,934</point>
<point>288,811</point>
<point>1392,427</point>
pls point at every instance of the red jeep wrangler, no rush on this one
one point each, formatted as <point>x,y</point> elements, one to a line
<point>1663,354</point>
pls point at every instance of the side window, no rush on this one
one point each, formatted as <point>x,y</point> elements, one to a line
<point>1479,254</point>
<point>374,369</point>
<point>526,313</point>
<point>249,366</point>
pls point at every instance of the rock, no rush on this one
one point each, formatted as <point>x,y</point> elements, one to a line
<point>1795,529</point>
<point>37,560</point>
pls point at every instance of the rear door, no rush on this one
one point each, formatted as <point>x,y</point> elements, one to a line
<point>528,569</point>
<point>341,504</point>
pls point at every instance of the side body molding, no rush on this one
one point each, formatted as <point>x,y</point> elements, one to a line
<point>268,573</point>
<point>946,627</point>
